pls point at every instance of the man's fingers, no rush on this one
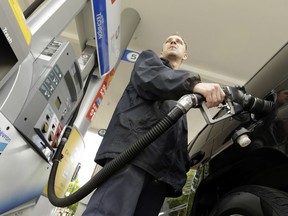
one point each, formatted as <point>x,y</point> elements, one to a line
<point>212,92</point>
<point>215,97</point>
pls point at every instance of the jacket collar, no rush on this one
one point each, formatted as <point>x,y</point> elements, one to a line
<point>166,62</point>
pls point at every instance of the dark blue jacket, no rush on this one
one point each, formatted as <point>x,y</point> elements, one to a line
<point>153,90</point>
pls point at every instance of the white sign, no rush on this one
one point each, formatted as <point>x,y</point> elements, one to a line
<point>107,32</point>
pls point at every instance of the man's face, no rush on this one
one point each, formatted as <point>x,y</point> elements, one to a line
<point>174,47</point>
<point>282,97</point>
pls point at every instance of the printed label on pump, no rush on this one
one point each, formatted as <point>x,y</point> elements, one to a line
<point>4,141</point>
<point>107,32</point>
<point>100,94</point>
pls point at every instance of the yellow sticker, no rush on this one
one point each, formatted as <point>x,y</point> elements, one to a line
<point>21,20</point>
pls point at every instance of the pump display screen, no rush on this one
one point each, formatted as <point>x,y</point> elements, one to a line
<point>7,57</point>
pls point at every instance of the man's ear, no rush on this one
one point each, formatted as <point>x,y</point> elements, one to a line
<point>185,56</point>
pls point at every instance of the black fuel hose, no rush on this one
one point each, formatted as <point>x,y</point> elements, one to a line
<point>116,164</point>
<point>27,13</point>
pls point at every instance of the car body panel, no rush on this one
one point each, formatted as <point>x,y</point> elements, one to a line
<point>225,164</point>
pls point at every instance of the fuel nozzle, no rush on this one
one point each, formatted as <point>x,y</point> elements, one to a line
<point>237,101</point>
<point>248,103</point>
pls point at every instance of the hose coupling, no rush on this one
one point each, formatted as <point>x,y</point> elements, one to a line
<point>186,102</point>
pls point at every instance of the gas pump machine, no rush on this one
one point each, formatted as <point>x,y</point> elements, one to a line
<point>43,81</point>
<point>39,91</point>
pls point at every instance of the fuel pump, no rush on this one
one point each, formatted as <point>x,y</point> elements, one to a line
<point>42,84</point>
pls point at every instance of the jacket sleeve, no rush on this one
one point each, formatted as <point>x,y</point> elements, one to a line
<point>153,80</point>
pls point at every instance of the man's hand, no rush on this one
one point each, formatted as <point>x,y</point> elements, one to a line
<point>212,92</point>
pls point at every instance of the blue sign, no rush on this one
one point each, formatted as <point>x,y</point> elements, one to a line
<point>130,56</point>
<point>107,32</point>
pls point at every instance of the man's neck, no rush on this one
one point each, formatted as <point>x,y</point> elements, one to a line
<point>175,63</point>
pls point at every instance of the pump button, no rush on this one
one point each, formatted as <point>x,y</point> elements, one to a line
<point>51,136</point>
<point>45,127</point>
<point>47,117</point>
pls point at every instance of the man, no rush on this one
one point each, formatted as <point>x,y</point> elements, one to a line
<point>160,170</point>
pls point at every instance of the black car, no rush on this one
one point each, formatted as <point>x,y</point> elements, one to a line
<point>242,161</point>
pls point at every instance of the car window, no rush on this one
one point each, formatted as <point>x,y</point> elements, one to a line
<point>278,119</point>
